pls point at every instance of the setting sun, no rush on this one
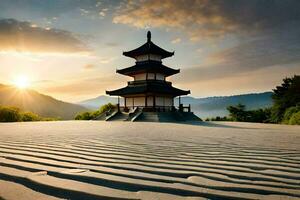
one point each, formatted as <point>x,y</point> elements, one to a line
<point>22,82</point>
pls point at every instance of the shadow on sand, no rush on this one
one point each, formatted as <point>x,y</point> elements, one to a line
<point>213,124</point>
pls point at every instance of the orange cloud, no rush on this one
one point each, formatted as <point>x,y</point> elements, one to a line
<point>27,37</point>
<point>209,18</point>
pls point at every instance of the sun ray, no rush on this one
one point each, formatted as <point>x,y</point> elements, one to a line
<point>22,82</point>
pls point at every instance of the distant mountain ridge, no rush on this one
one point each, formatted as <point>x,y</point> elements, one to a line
<point>203,107</point>
<point>216,106</point>
<point>95,103</point>
<point>43,105</point>
<point>47,106</point>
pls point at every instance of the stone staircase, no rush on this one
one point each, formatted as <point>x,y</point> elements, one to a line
<point>148,117</point>
<point>117,116</point>
<point>140,115</point>
<point>166,117</point>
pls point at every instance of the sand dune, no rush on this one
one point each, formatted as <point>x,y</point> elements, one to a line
<point>119,160</point>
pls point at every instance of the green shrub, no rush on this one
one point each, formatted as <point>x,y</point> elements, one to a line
<point>295,119</point>
<point>106,108</point>
<point>84,116</point>
<point>29,116</point>
<point>93,114</point>
<point>285,96</point>
<point>13,114</point>
<point>218,118</point>
<point>51,119</point>
<point>10,114</point>
<point>289,113</point>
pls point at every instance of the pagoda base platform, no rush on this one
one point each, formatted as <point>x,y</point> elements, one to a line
<point>146,116</point>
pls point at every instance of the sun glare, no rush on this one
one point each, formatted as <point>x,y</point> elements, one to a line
<point>22,82</point>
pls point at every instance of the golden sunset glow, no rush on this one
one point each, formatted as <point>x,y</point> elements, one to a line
<point>218,53</point>
<point>22,82</point>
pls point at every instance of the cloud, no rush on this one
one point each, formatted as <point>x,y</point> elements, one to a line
<point>176,40</point>
<point>112,44</point>
<point>88,86</point>
<point>89,66</point>
<point>260,80</point>
<point>24,36</point>
<point>104,60</point>
<point>43,81</point>
<point>214,18</point>
<point>50,8</point>
<point>279,49</point>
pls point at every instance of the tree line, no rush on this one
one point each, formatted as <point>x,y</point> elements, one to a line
<point>285,108</point>
<point>14,114</point>
<point>90,115</point>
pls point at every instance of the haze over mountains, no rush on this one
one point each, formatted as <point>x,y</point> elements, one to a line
<point>43,105</point>
<point>203,107</point>
<point>47,106</point>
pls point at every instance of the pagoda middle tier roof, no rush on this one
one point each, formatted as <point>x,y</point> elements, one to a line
<point>148,66</point>
<point>144,87</point>
<point>148,48</point>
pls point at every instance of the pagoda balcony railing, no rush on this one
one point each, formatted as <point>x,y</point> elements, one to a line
<point>180,108</point>
<point>148,81</point>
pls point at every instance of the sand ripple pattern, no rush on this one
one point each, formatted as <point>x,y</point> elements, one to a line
<point>88,163</point>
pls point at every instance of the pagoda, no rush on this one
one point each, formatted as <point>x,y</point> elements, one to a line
<point>149,89</point>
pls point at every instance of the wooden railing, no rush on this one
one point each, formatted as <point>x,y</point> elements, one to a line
<point>148,81</point>
<point>181,108</point>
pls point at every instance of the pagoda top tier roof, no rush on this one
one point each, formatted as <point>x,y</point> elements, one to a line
<point>148,48</point>
<point>148,66</point>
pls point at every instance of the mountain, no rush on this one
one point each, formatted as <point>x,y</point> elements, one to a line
<point>203,107</point>
<point>30,100</point>
<point>95,103</point>
<point>216,106</point>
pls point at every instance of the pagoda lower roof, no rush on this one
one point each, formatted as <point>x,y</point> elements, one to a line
<point>144,87</point>
<point>148,48</point>
<point>148,66</point>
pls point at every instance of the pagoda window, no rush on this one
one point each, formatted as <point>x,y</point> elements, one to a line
<point>168,101</point>
<point>160,77</point>
<point>151,76</point>
<point>150,101</point>
<point>140,77</point>
<point>159,101</point>
<point>148,57</point>
<point>139,101</point>
<point>129,102</point>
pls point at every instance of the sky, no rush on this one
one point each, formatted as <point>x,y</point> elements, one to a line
<point>70,49</point>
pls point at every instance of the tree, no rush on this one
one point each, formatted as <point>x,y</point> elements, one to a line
<point>10,114</point>
<point>93,114</point>
<point>29,116</point>
<point>289,113</point>
<point>84,116</point>
<point>285,96</point>
<point>295,119</point>
<point>237,113</point>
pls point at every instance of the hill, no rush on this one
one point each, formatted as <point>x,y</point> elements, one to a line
<point>95,103</point>
<point>203,107</point>
<point>43,105</point>
<point>216,106</point>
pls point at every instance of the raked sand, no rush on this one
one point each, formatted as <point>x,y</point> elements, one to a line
<point>124,160</point>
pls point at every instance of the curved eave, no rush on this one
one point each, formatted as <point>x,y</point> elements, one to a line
<point>148,66</point>
<point>136,54</point>
<point>148,48</point>
<point>145,89</point>
<point>131,73</point>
